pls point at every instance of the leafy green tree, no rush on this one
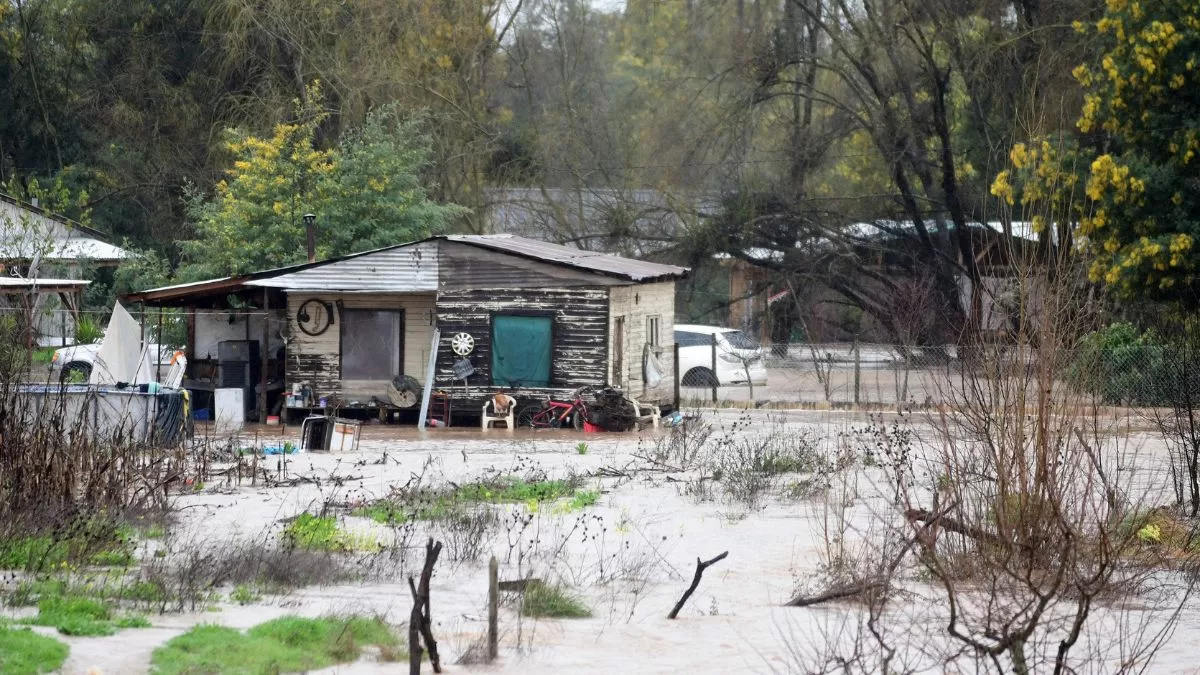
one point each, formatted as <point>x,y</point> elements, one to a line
<point>1127,187</point>
<point>367,192</point>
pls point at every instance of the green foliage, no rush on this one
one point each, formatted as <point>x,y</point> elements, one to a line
<point>23,652</point>
<point>82,616</point>
<point>1123,365</point>
<point>87,331</point>
<point>146,268</point>
<point>245,595</point>
<point>22,553</point>
<point>459,502</point>
<point>581,448</point>
<point>384,511</point>
<point>287,644</point>
<point>1150,534</point>
<point>1127,184</point>
<point>583,499</point>
<point>43,356</point>
<point>133,622</point>
<point>546,601</point>
<point>513,489</point>
<point>314,532</point>
<point>367,193</point>
<point>321,533</point>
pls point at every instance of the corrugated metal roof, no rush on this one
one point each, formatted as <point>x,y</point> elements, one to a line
<point>601,263</point>
<point>399,269</point>
<point>409,267</point>
<point>42,284</point>
<point>27,230</point>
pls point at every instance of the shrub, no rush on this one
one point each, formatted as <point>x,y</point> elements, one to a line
<point>314,532</point>
<point>244,595</point>
<point>1121,364</point>
<point>88,332</point>
<point>543,600</point>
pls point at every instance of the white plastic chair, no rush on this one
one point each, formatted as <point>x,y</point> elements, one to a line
<point>643,410</point>
<point>505,416</point>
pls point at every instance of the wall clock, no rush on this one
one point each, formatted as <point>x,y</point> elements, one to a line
<point>314,317</point>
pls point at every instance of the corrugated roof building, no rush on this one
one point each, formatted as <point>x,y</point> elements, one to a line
<point>510,314</point>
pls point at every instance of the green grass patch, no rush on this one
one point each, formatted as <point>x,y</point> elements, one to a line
<point>42,356</point>
<point>155,531</point>
<point>322,533</point>
<point>313,532</point>
<point>111,586</point>
<point>23,652</point>
<point>25,553</point>
<point>79,615</point>
<point>556,602</point>
<point>511,489</point>
<point>82,543</point>
<point>287,644</point>
<point>425,507</point>
<point>584,499</point>
<point>75,616</point>
<point>427,504</point>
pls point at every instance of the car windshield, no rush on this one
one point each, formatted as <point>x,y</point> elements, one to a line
<point>739,340</point>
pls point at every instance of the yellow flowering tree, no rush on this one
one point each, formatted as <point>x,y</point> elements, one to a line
<point>1130,192</point>
<point>367,192</point>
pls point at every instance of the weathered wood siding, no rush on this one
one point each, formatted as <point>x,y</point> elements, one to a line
<point>579,354</point>
<point>637,304</point>
<point>316,359</point>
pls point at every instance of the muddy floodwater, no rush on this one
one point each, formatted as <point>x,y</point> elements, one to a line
<point>629,556</point>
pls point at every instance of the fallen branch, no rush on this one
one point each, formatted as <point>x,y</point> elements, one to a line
<point>837,594</point>
<point>929,518</point>
<point>868,586</point>
<point>701,565</point>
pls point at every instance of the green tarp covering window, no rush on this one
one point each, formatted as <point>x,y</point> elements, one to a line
<point>521,351</point>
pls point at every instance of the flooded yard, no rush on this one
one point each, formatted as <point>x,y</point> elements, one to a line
<point>626,552</point>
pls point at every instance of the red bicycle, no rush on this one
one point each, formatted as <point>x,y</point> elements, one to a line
<point>551,414</point>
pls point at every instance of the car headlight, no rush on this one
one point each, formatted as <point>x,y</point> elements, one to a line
<point>730,358</point>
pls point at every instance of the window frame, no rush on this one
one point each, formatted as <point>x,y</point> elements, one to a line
<point>400,314</point>
<point>654,330</point>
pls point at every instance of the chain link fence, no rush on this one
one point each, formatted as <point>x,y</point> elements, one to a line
<point>845,374</point>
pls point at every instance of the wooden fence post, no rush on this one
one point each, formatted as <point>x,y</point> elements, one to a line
<point>857,369</point>
<point>678,376</point>
<point>714,368</point>
<point>493,649</point>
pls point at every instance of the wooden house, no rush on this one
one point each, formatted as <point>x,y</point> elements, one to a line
<point>43,257</point>
<point>523,317</point>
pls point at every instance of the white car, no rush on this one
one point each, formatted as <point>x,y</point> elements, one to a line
<point>74,364</point>
<point>739,358</point>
